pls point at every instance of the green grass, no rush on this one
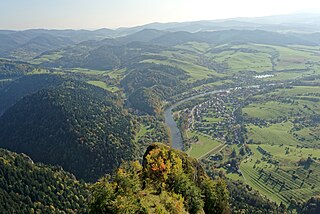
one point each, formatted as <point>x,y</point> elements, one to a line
<point>271,187</point>
<point>299,90</point>
<point>274,134</point>
<point>290,58</point>
<point>46,58</point>
<point>196,72</point>
<point>117,74</point>
<point>262,58</point>
<point>197,47</point>
<point>282,142</point>
<point>293,155</point>
<point>86,71</point>
<point>213,84</point>
<point>252,178</point>
<point>104,86</point>
<point>281,76</point>
<point>310,135</point>
<point>232,176</point>
<point>258,62</point>
<point>182,55</point>
<point>212,119</point>
<point>243,58</point>
<point>273,109</point>
<point>203,146</point>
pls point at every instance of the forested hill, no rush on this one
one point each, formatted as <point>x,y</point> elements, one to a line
<point>26,85</point>
<point>10,69</point>
<point>168,181</point>
<point>26,187</point>
<point>75,125</point>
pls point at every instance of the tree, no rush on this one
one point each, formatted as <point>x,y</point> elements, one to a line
<point>312,206</point>
<point>160,164</point>
<point>242,151</point>
<point>216,197</point>
<point>233,153</point>
<point>190,192</point>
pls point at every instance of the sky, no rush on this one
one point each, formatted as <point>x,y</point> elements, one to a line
<point>94,14</point>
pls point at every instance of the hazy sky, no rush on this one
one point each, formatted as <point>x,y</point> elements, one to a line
<point>92,14</point>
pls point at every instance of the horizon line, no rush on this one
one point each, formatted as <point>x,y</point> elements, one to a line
<point>156,22</point>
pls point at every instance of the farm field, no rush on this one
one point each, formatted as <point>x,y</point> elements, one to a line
<point>204,145</point>
<point>283,135</point>
<point>196,72</point>
<point>274,109</point>
<point>274,134</point>
<point>288,176</point>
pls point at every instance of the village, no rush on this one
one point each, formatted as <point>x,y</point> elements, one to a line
<point>218,116</point>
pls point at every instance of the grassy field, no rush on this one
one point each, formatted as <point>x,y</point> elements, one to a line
<point>196,72</point>
<point>116,74</point>
<point>240,61</point>
<point>298,90</point>
<point>213,84</point>
<point>292,58</point>
<point>86,71</point>
<point>275,168</point>
<point>203,146</point>
<point>104,86</point>
<point>264,58</point>
<point>274,109</point>
<point>296,179</point>
<point>238,58</point>
<point>197,47</point>
<point>274,134</point>
<point>46,58</point>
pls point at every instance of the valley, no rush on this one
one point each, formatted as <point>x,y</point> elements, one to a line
<point>239,106</point>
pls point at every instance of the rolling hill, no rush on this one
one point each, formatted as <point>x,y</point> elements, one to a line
<point>75,125</point>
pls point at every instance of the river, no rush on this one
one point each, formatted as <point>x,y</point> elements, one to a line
<point>176,137</point>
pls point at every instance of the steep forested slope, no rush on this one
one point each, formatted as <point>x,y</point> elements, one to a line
<point>148,84</point>
<point>75,125</point>
<point>24,86</point>
<point>11,69</point>
<point>26,187</point>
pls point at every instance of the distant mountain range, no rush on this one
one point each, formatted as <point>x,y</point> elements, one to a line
<point>28,44</point>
